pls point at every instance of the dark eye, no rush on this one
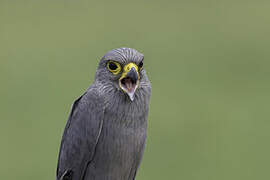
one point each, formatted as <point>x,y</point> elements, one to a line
<point>141,64</point>
<point>112,66</point>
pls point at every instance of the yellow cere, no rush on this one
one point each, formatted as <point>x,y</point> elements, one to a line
<point>114,71</point>
<point>127,68</point>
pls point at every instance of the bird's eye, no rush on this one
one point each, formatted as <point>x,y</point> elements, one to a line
<point>114,67</point>
<point>141,64</point>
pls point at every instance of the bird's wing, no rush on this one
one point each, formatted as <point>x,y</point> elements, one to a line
<point>80,136</point>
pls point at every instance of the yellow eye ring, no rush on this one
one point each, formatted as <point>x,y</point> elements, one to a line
<point>114,67</point>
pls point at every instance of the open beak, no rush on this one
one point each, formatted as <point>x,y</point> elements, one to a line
<point>129,80</point>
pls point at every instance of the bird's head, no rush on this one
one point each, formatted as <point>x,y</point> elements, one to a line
<point>122,69</point>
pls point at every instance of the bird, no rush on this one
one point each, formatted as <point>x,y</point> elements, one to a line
<point>105,134</point>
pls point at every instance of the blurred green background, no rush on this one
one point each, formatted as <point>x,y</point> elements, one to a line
<point>208,62</point>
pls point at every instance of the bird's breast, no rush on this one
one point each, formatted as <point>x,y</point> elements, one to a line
<point>121,142</point>
<point>119,150</point>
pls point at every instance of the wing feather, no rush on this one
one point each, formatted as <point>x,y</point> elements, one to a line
<point>80,136</point>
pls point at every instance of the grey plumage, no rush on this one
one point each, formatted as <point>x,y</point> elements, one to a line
<point>105,133</point>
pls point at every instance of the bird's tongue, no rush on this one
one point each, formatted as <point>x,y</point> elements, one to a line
<point>129,85</point>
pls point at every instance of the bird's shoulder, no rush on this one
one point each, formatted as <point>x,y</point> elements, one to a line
<point>93,94</point>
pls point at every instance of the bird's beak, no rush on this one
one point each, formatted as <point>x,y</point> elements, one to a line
<point>129,80</point>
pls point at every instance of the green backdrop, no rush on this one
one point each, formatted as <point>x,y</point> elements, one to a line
<point>208,62</point>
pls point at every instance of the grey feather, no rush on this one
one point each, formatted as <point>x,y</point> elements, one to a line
<point>105,134</point>
<point>81,134</point>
